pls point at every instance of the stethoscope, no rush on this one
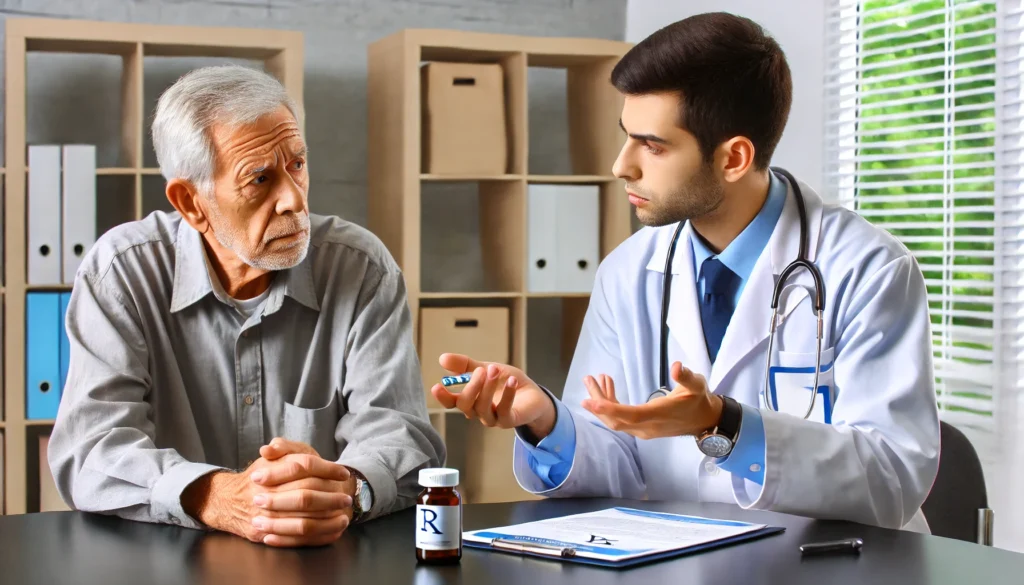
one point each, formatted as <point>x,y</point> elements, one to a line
<point>800,262</point>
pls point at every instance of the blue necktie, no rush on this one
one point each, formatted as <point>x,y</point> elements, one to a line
<point>717,305</point>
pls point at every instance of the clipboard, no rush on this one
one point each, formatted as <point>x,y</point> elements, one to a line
<point>567,552</point>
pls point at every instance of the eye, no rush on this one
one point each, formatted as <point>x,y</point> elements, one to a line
<point>259,180</point>
<point>298,165</point>
<point>652,149</point>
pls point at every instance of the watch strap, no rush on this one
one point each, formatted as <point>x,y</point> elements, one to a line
<point>732,415</point>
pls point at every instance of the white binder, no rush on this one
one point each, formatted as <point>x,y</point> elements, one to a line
<point>542,244</point>
<point>563,249</point>
<point>44,213</point>
<point>578,246</point>
<point>79,203</point>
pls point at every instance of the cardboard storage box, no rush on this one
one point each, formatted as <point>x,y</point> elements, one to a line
<point>479,332</point>
<point>463,119</point>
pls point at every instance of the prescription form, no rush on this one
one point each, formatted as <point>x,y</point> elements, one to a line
<point>616,534</point>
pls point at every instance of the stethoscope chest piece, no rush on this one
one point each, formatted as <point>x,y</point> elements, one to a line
<point>659,393</point>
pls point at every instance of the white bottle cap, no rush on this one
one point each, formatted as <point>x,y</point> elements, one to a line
<point>439,477</point>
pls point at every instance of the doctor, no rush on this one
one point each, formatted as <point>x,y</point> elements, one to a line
<point>706,101</point>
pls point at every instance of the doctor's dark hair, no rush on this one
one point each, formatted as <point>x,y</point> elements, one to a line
<point>731,76</point>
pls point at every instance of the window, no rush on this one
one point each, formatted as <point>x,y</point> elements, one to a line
<point>915,138</point>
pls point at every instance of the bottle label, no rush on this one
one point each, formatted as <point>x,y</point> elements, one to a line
<point>438,527</point>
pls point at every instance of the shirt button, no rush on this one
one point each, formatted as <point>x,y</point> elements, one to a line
<point>754,467</point>
<point>245,333</point>
<point>249,400</point>
<point>711,468</point>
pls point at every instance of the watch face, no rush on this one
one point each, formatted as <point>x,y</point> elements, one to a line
<point>715,446</point>
<point>365,498</point>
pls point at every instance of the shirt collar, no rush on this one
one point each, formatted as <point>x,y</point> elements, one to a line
<point>297,283</point>
<point>193,281</point>
<point>742,253</point>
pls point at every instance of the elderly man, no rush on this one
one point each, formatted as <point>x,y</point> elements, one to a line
<point>240,365</point>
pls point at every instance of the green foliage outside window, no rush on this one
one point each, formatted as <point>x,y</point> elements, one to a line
<point>926,172</point>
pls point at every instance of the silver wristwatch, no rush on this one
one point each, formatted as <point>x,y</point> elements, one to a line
<point>719,440</point>
<point>362,501</point>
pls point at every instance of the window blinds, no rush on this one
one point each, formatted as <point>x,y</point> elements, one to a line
<point>916,142</point>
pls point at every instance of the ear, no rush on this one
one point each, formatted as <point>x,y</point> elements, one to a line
<point>735,157</point>
<point>185,199</point>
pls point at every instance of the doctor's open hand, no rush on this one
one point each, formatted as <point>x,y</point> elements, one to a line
<point>689,409</point>
<point>498,395</point>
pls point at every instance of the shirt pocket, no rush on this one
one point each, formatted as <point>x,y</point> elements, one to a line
<point>790,379</point>
<point>314,426</point>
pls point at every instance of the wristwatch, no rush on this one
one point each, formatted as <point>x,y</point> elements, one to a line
<point>362,501</point>
<point>719,440</point>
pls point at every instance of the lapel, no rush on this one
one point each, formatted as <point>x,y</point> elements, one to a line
<point>749,325</point>
<point>683,312</point>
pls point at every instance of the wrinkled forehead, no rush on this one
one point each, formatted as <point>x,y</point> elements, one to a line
<point>263,137</point>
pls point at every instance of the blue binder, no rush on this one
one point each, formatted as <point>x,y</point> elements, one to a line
<point>65,344</point>
<point>42,355</point>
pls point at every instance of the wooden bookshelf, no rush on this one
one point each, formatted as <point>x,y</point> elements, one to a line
<point>572,179</point>
<point>281,53</point>
<point>468,178</point>
<point>396,202</point>
<point>39,422</point>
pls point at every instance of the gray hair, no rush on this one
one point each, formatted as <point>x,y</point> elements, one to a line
<point>226,94</point>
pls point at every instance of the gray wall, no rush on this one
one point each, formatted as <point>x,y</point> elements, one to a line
<point>799,27</point>
<point>76,99</point>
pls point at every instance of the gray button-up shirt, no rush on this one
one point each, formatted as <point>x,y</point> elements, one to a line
<point>167,383</point>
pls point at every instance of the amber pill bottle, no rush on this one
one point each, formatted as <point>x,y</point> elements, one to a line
<point>439,517</point>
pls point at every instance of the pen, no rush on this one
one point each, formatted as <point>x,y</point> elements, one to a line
<point>456,380</point>
<point>849,545</point>
<point>534,547</point>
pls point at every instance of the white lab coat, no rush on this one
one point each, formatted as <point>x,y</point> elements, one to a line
<point>877,460</point>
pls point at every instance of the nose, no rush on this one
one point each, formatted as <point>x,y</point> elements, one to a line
<point>291,198</point>
<point>624,166</point>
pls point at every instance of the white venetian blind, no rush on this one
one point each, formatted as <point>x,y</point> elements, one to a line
<point>912,140</point>
<point>1010,202</point>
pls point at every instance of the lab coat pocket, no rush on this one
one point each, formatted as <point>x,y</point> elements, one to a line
<point>791,378</point>
<point>314,426</point>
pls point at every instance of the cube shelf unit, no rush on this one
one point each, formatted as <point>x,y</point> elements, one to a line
<point>282,55</point>
<point>395,203</point>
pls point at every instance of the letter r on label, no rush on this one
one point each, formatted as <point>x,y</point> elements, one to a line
<point>429,521</point>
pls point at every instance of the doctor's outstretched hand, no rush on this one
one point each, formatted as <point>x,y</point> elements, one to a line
<point>689,409</point>
<point>498,395</point>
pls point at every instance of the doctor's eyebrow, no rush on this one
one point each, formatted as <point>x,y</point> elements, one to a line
<point>644,137</point>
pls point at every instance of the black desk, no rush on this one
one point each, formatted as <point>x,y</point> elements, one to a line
<point>65,548</point>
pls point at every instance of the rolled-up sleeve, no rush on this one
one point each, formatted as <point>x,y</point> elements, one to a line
<point>102,450</point>
<point>386,434</point>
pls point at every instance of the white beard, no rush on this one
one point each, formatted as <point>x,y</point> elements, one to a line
<point>269,260</point>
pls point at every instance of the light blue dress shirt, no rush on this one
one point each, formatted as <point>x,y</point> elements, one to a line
<point>551,459</point>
